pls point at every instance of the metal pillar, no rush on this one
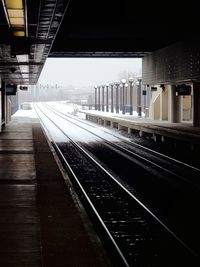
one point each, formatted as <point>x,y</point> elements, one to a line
<point>123,98</point>
<point>107,107</point>
<point>117,96</point>
<point>95,98</point>
<point>144,93</point>
<point>120,97</point>
<point>123,95</point>
<point>131,96</point>
<point>126,94</point>
<point>99,98</point>
<point>139,108</point>
<point>103,97</point>
<point>111,85</point>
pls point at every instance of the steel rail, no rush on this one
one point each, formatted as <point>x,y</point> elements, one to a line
<point>126,190</point>
<point>83,191</point>
<point>131,153</point>
<point>131,142</point>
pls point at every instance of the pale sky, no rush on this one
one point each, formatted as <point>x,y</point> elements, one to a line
<point>86,71</point>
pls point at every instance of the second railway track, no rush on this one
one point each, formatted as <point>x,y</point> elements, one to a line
<point>142,238</point>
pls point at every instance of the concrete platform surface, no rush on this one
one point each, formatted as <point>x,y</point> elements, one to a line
<point>40,224</point>
<point>181,131</point>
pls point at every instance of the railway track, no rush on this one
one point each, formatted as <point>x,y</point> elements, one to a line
<point>169,165</point>
<point>137,234</point>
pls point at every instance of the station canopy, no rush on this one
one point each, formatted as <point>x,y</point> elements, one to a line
<point>31,31</point>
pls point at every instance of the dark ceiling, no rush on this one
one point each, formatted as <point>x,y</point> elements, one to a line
<point>123,26</point>
<point>104,28</point>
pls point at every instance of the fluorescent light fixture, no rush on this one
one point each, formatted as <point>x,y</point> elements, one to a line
<point>24,68</point>
<point>19,33</point>
<point>24,71</point>
<point>25,75</point>
<point>15,15</point>
<point>15,22</point>
<point>14,4</point>
<point>22,58</point>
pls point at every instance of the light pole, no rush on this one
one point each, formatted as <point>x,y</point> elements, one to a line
<point>123,96</point>
<point>99,100</point>
<point>103,85</point>
<point>139,108</point>
<point>131,80</point>
<point>107,86</point>
<point>117,96</point>
<point>111,85</point>
<point>120,97</point>
<point>144,93</point>
<point>95,98</point>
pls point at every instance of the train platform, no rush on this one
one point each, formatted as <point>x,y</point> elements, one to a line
<point>158,129</point>
<point>42,222</point>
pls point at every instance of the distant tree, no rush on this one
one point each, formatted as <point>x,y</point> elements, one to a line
<point>126,74</point>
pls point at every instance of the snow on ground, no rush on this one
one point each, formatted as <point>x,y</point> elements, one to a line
<point>77,133</point>
<point>25,113</point>
<point>76,110</point>
<point>66,107</point>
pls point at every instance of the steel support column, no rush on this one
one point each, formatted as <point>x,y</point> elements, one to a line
<point>139,108</point>
<point>117,96</point>
<point>111,95</point>
<point>103,97</point>
<point>123,98</point>
<point>107,106</point>
<point>99,97</point>
<point>120,97</point>
<point>131,96</point>
<point>95,98</point>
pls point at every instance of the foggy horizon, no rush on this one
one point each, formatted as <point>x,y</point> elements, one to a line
<point>87,71</point>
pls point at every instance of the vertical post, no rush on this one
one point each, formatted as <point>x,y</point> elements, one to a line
<point>145,107</point>
<point>139,108</point>
<point>107,86</point>
<point>120,97</point>
<point>126,94</point>
<point>161,104</point>
<point>131,95</point>
<point>99,98</point>
<point>103,97</point>
<point>95,98</point>
<point>111,85</point>
<point>123,95</point>
<point>196,106</point>
<point>3,104</point>
<point>145,98</point>
<point>148,98</point>
<point>123,106</point>
<point>117,96</point>
<point>173,105</point>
